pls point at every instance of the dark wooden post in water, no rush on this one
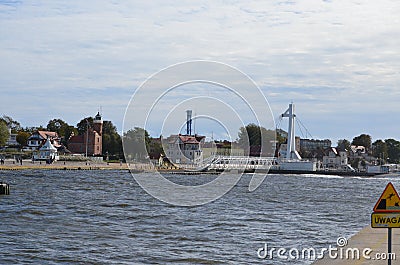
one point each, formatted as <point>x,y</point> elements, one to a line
<point>4,189</point>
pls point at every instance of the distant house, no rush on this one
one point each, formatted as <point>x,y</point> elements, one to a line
<point>12,139</point>
<point>312,145</point>
<point>358,150</point>
<point>224,148</point>
<point>185,149</point>
<point>359,155</point>
<point>46,152</point>
<point>90,142</point>
<point>334,159</point>
<point>282,151</point>
<point>38,139</point>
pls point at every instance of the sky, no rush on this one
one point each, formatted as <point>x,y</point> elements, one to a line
<point>338,61</point>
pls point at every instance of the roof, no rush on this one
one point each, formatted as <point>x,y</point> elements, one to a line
<point>48,146</point>
<point>186,139</point>
<point>43,135</point>
<point>76,139</point>
<point>47,134</point>
<point>359,148</point>
<point>97,118</point>
<point>333,149</point>
<point>189,139</point>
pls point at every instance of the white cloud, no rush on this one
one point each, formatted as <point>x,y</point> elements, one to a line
<point>342,55</point>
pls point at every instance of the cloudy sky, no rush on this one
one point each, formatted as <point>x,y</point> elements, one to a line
<point>339,61</point>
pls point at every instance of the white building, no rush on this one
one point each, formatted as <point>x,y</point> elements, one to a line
<point>47,152</point>
<point>185,149</point>
<point>335,159</point>
<point>12,139</point>
<point>38,138</point>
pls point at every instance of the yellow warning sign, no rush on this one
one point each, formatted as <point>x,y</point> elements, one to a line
<point>385,220</point>
<point>389,200</point>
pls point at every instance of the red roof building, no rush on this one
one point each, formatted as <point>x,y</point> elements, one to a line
<point>185,149</point>
<point>38,138</point>
<point>90,143</point>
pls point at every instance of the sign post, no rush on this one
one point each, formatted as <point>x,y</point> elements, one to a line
<point>390,245</point>
<point>387,214</point>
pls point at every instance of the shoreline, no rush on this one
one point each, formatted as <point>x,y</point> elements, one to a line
<point>10,165</point>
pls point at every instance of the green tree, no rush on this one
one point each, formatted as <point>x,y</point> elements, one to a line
<point>249,136</point>
<point>4,133</point>
<point>136,143</point>
<point>155,148</point>
<point>393,149</point>
<point>254,137</point>
<point>344,145</point>
<point>363,140</point>
<point>57,125</point>
<point>68,132</point>
<point>112,142</point>
<point>84,124</point>
<point>380,150</point>
<point>63,129</point>
<point>22,138</point>
<point>14,125</point>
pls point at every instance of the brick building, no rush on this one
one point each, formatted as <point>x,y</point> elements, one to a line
<point>90,142</point>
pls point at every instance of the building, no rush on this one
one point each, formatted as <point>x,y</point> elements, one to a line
<point>12,139</point>
<point>311,145</point>
<point>282,151</point>
<point>90,143</point>
<point>334,159</point>
<point>38,139</point>
<point>185,149</point>
<point>223,148</point>
<point>358,150</point>
<point>46,152</point>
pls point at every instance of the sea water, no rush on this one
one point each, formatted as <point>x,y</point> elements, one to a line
<point>105,217</point>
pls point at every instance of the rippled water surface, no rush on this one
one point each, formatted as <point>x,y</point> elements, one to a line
<point>104,217</point>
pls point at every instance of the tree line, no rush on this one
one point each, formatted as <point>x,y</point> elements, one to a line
<point>112,142</point>
<point>387,150</point>
<point>253,138</point>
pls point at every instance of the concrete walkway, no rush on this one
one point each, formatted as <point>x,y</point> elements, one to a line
<point>373,238</point>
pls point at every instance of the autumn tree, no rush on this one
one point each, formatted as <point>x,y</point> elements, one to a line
<point>22,138</point>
